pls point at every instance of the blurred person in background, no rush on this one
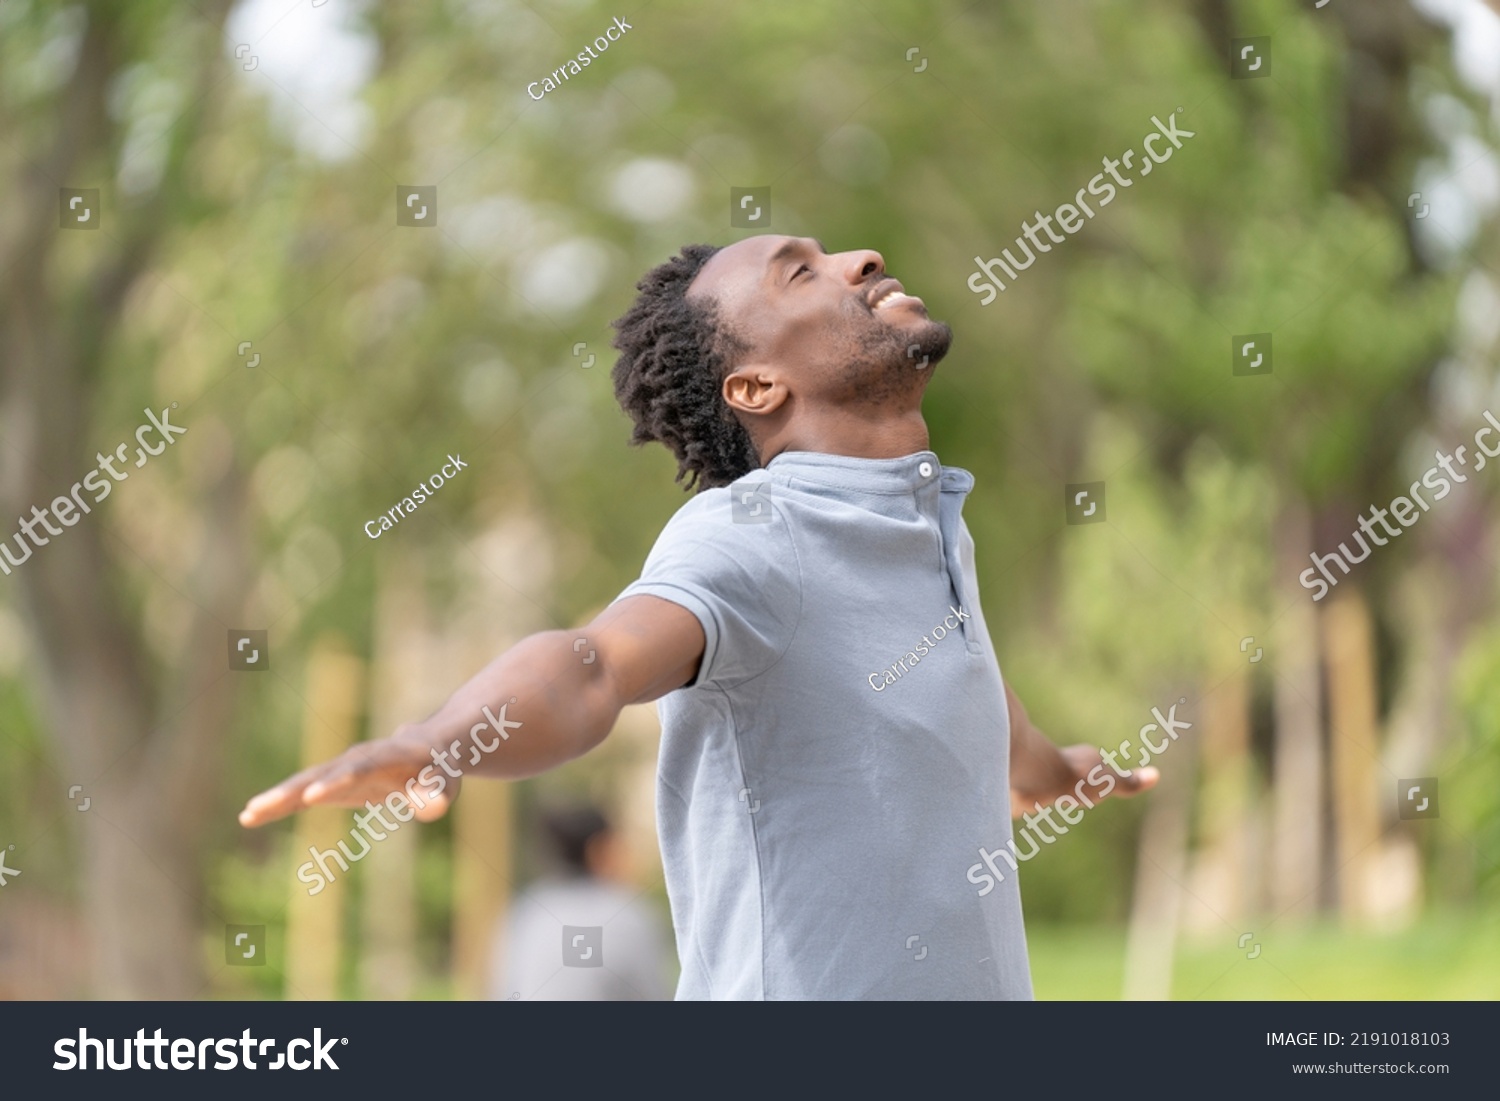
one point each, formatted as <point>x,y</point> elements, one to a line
<point>589,886</point>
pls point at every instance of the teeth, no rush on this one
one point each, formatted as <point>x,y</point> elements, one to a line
<point>890,298</point>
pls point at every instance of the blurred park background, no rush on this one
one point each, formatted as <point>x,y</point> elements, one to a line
<point>246,266</point>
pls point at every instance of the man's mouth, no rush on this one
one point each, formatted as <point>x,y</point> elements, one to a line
<point>887,294</point>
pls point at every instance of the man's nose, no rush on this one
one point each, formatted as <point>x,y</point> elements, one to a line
<point>859,266</point>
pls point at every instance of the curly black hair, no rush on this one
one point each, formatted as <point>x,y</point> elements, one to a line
<point>674,355</point>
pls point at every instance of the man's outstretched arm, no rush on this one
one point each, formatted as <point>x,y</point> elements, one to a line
<point>549,703</point>
<point>1040,772</point>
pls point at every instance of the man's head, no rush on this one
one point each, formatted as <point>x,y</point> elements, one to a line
<point>730,356</point>
<point>584,844</point>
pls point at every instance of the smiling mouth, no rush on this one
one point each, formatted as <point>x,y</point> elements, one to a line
<point>889,294</point>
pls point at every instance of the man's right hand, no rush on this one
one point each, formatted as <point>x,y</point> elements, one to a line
<point>368,772</point>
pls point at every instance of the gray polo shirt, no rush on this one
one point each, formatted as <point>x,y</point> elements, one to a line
<point>827,780</point>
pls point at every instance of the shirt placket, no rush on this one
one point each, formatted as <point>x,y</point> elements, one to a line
<point>950,512</point>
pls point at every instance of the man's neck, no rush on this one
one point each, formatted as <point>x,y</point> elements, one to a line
<point>879,434</point>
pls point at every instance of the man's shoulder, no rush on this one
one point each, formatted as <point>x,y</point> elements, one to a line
<point>744,513</point>
<point>739,534</point>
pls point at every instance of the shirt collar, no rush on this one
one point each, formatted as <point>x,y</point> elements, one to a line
<point>902,475</point>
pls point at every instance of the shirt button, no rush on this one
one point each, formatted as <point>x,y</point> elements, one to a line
<point>925,470</point>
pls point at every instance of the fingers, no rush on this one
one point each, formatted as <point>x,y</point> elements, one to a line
<point>379,771</point>
<point>345,773</point>
<point>283,799</point>
<point>343,781</point>
<point>1125,782</point>
<point>437,803</point>
<point>1091,778</point>
<point>1131,783</point>
<point>1139,780</point>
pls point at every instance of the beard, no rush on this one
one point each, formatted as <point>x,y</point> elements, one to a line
<point>889,361</point>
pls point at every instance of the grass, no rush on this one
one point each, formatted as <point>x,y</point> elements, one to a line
<point>1453,957</point>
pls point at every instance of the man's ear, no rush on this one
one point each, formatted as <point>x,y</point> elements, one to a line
<point>753,389</point>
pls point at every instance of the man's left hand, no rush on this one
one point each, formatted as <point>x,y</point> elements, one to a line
<point>1069,774</point>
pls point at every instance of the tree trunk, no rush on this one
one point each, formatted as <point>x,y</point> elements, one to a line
<point>1223,863</point>
<point>1157,901</point>
<point>315,940</point>
<point>1297,767</point>
<point>1354,749</point>
<point>140,732</point>
<point>401,688</point>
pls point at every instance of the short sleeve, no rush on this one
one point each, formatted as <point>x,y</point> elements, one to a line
<point>737,571</point>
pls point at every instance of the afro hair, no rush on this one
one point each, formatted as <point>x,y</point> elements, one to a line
<point>674,355</point>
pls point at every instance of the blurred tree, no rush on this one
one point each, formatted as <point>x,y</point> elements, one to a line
<point>140,728</point>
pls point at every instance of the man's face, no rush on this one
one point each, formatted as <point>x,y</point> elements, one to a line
<point>833,328</point>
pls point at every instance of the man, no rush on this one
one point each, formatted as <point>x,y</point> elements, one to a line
<point>837,742</point>
<point>589,884</point>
